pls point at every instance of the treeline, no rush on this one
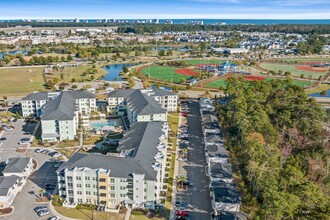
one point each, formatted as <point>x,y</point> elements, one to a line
<point>284,28</point>
<point>278,141</point>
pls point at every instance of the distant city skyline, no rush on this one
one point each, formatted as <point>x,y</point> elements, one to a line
<point>169,9</point>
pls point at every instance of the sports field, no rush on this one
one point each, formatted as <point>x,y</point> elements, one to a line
<point>164,73</point>
<point>204,61</point>
<point>222,82</point>
<point>308,59</point>
<point>20,81</point>
<point>295,70</point>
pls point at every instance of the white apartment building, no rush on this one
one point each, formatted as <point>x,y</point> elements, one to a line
<point>167,99</point>
<point>76,40</point>
<point>133,177</point>
<point>60,117</point>
<point>138,106</point>
<point>33,103</point>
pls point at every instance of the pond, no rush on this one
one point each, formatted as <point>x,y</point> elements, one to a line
<point>24,52</point>
<point>320,95</point>
<point>113,71</point>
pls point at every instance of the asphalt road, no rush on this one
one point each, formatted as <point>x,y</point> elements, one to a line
<point>198,195</point>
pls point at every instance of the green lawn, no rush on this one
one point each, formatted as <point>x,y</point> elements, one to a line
<point>76,72</point>
<point>21,81</point>
<point>164,73</point>
<point>308,59</point>
<point>216,84</point>
<point>291,68</point>
<point>88,214</point>
<point>204,61</point>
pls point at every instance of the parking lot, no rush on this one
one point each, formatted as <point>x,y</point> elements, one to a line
<point>24,203</point>
<point>197,194</point>
<point>12,138</point>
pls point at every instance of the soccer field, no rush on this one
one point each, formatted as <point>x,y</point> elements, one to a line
<point>21,81</point>
<point>291,68</point>
<point>164,73</point>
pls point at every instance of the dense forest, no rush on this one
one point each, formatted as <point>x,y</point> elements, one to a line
<point>284,28</point>
<point>280,148</point>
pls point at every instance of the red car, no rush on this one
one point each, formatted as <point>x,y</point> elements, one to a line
<point>181,213</point>
<point>184,114</point>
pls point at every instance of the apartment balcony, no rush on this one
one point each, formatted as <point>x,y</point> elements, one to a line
<point>102,188</point>
<point>102,180</point>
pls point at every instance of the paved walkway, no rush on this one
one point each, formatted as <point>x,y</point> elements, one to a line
<point>176,171</point>
<point>128,214</point>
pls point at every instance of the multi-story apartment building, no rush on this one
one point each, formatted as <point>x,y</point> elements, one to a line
<point>60,117</point>
<point>138,107</point>
<point>33,103</point>
<point>133,176</point>
<point>167,99</point>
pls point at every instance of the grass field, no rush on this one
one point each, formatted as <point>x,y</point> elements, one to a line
<point>20,81</point>
<point>164,73</point>
<point>75,72</point>
<point>308,59</point>
<point>222,83</point>
<point>291,68</point>
<point>88,214</point>
<point>204,61</point>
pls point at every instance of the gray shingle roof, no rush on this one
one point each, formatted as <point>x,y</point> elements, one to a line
<point>162,92</point>
<point>222,215</point>
<point>63,107</point>
<point>213,138</point>
<point>221,170</point>
<point>139,102</point>
<point>37,96</point>
<point>6,182</point>
<point>142,140</point>
<point>225,192</point>
<point>16,165</point>
<point>216,151</point>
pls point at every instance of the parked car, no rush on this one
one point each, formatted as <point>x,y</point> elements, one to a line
<point>3,139</point>
<point>45,151</point>
<point>184,114</point>
<point>38,150</point>
<point>181,213</point>
<point>54,154</point>
<point>54,218</point>
<point>40,208</point>
<point>182,204</point>
<point>8,128</point>
<point>43,213</point>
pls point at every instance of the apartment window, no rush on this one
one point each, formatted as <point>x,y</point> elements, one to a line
<point>112,188</point>
<point>79,200</point>
<point>88,185</point>
<point>88,200</point>
<point>70,184</point>
<point>94,193</point>
<point>79,185</point>
<point>94,178</point>
<point>112,195</point>
<point>112,180</point>
<point>78,177</point>
<point>145,197</point>
<point>79,193</point>
<point>69,178</point>
<point>94,186</point>
<point>87,178</point>
<point>70,192</point>
<point>88,192</point>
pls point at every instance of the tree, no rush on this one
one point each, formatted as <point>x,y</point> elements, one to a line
<point>125,69</point>
<point>161,53</point>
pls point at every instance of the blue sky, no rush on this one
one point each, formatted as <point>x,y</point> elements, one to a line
<point>217,9</point>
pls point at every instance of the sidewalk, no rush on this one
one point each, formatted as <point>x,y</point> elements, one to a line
<point>128,214</point>
<point>176,171</point>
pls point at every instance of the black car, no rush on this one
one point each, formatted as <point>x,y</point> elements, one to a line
<point>3,139</point>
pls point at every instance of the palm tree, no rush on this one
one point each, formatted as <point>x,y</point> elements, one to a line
<point>181,180</point>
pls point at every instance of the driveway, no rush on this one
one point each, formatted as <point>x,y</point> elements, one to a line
<point>198,195</point>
